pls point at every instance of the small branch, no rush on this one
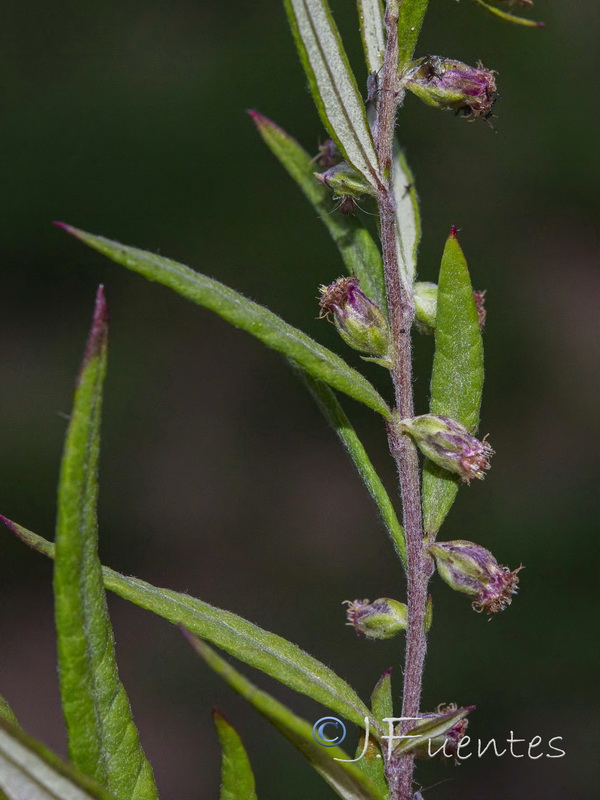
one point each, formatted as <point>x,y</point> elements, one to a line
<point>399,771</point>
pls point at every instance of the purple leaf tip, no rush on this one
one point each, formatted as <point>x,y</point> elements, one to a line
<point>99,330</point>
<point>454,232</point>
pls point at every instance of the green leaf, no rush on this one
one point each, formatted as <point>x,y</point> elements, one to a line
<point>272,654</point>
<point>334,413</point>
<point>237,779</point>
<point>30,772</point>
<point>408,219</point>
<point>333,85</point>
<point>509,17</point>
<point>430,728</point>
<point>345,778</point>
<point>7,713</point>
<point>372,762</point>
<point>457,378</point>
<point>372,31</point>
<point>103,740</point>
<point>356,245</point>
<point>243,313</point>
<point>381,698</point>
<point>410,21</point>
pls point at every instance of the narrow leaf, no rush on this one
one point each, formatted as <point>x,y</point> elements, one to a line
<point>237,778</point>
<point>457,378</point>
<point>243,313</point>
<point>408,220</point>
<point>356,245</point>
<point>410,21</point>
<point>345,778</point>
<point>265,651</point>
<point>30,772</point>
<point>497,12</point>
<point>431,728</point>
<point>333,85</point>
<point>103,740</point>
<point>372,31</point>
<point>331,408</point>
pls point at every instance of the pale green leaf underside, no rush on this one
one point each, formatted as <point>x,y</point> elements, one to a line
<point>346,779</point>
<point>356,245</point>
<point>372,31</point>
<point>334,413</point>
<point>457,378</point>
<point>103,739</point>
<point>408,220</point>
<point>498,12</point>
<point>410,21</point>
<point>332,83</point>
<point>30,772</point>
<point>265,651</point>
<point>243,313</point>
<point>237,778</point>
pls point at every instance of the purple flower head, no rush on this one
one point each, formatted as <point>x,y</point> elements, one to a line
<point>359,321</point>
<point>473,570</point>
<point>381,619</point>
<point>449,445</point>
<point>451,85</point>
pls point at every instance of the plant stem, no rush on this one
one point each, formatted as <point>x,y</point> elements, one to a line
<point>399,770</point>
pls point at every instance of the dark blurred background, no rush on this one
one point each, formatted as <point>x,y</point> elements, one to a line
<point>218,475</point>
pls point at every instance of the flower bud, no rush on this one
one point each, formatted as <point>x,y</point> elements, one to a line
<point>446,744</point>
<point>451,85</point>
<point>381,619</point>
<point>343,180</point>
<point>360,322</point>
<point>449,445</point>
<point>473,570</point>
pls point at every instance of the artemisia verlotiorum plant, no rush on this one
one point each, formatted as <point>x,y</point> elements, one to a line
<point>375,307</point>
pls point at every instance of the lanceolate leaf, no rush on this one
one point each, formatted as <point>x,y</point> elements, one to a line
<point>356,245</point>
<point>347,779</point>
<point>457,378</point>
<point>103,740</point>
<point>372,31</point>
<point>410,21</point>
<point>237,779</point>
<point>431,728</point>
<point>332,84</point>
<point>243,313</point>
<point>333,411</point>
<point>498,12</point>
<point>30,772</point>
<point>272,654</point>
<point>408,220</point>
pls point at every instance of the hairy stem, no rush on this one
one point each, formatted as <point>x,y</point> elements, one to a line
<point>399,770</point>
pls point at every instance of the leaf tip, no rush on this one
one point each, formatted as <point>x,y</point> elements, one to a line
<point>65,227</point>
<point>454,232</point>
<point>258,119</point>
<point>99,331</point>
